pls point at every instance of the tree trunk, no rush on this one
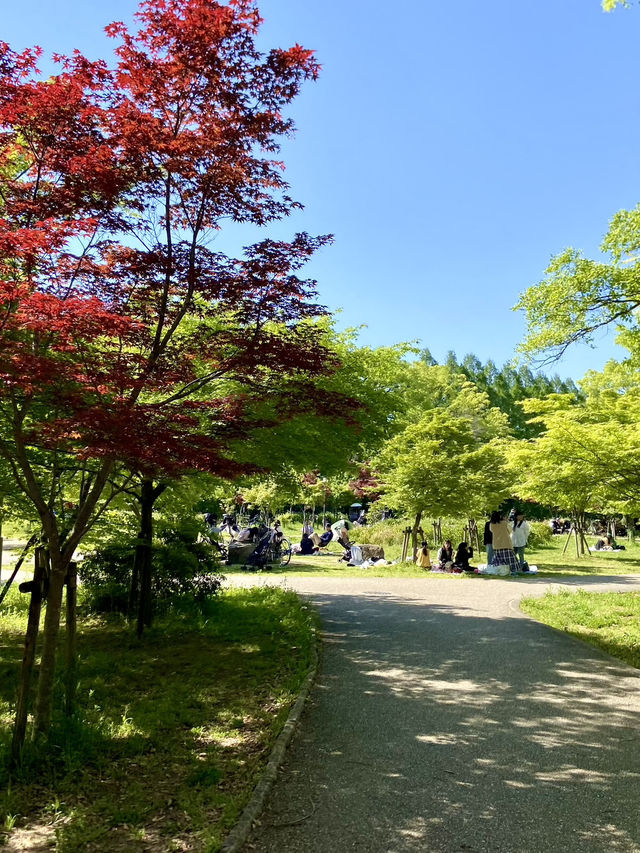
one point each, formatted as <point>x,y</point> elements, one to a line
<point>143,553</point>
<point>414,535</point>
<point>44,699</point>
<point>135,582</point>
<point>70,626</point>
<point>474,535</point>
<point>437,532</point>
<point>30,641</point>
<point>629,524</point>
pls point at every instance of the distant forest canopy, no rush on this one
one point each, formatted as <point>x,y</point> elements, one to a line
<point>506,386</point>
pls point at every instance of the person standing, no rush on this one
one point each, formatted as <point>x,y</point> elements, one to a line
<point>503,554</point>
<point>488,542</point>
<point>520,536</point>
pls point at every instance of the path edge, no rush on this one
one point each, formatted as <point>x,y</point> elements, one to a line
<point>240,832</point>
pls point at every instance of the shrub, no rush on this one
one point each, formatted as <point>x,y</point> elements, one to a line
<point>385,533</point>
<point>105,575</point>
<point>540,534</point>
<point>181,566</point>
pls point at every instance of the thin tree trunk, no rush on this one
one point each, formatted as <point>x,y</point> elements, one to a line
<point>135,582</point>
<point>30,641</point>
<point>44,699</point>
<point>71,662</point>
<point>414,536</point>
<point>143,553</point>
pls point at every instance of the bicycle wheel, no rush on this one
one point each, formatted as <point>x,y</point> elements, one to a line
<point>285,552</point>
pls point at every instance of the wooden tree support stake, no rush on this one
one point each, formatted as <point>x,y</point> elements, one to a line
<point>31,637</point>
<point>405,544</point>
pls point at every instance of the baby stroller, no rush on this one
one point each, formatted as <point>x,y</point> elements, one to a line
<point>272,550</point>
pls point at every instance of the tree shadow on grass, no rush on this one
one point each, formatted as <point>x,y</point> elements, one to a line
<point>170,730</point>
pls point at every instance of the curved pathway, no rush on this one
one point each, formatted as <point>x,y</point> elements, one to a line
<point>443,719</point>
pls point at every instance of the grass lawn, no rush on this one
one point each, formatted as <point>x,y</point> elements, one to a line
<point>608,620</point>
<point>171,734</point>
<point>550,559</point>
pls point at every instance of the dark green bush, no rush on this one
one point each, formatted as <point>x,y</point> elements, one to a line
<point>181,566</point>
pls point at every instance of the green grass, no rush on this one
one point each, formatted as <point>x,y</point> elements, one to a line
<point>171,733</point>
<point>610,621</point>
<point>549,559</point>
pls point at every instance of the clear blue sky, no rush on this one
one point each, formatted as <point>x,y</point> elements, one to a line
<point>451,147</point>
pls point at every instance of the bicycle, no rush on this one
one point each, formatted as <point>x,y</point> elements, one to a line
<point>219,547</point>
<point>279,553</point>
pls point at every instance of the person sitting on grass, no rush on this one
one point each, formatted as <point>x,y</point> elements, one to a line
<point>307,548</point>
<point>445,556</point>
<point>463,554</point>
<point>424,557</point>
<point>608,543</point>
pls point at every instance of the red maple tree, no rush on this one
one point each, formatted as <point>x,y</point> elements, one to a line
<point>366,484</point>
<point>126,341</point>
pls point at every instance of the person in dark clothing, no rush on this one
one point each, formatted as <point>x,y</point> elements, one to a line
<point>322,541</point>
<point>307,547</point>
<point>445,555</point>
<point>463,554</point>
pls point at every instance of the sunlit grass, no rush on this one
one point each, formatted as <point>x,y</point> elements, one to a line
<point>171,733</point>
<point>610,621</point>
<point>552,560</point>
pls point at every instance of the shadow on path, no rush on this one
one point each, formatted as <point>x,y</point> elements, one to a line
<point>435,727</point>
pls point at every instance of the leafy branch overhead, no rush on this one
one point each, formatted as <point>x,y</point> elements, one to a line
<point>580,297</point>
<point>127,344</point>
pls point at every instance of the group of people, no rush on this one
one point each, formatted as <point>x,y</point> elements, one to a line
<point>311,542</point>
<point>505,541</point>
<point>447,560</point>
<point>255,530</point>
<point>607,543</point>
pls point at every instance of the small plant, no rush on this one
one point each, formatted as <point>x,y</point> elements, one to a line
<point>7,826</point>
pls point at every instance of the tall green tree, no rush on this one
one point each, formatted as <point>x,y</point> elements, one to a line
<point>579,296</point>
<point>449,461</point>
<point>508,386</point>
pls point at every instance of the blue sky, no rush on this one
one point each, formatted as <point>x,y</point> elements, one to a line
<point>451,147</point>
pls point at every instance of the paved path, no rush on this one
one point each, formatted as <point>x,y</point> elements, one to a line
<point>443,719</point>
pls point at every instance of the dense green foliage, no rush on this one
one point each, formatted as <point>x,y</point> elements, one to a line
<point>509,386</point>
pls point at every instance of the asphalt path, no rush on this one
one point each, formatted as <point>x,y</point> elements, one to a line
<point>444,719</point>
